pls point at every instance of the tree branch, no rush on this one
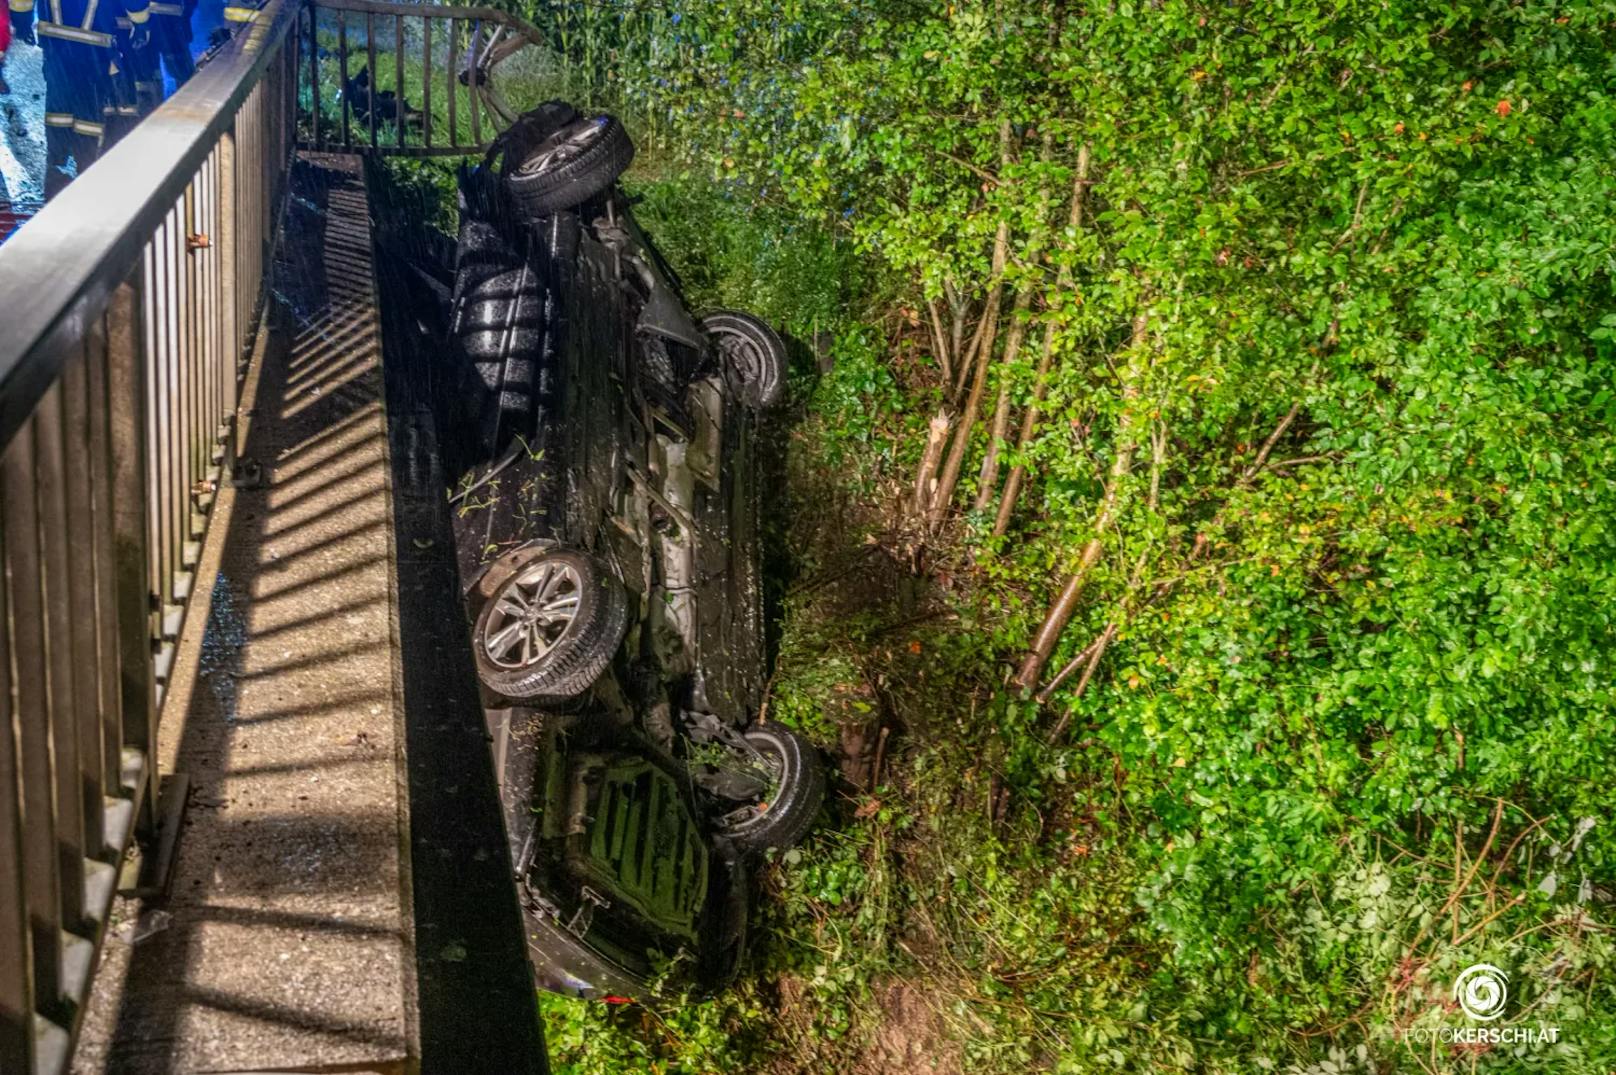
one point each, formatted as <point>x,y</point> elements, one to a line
<point>1043,644</point>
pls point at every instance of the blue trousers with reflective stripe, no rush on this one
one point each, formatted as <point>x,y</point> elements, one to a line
<point>81,93</point>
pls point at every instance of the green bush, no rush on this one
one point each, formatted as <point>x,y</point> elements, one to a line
<point>1329,401</point>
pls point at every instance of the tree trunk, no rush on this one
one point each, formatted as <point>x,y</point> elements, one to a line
<point>979,358</point>
<point>988,477</point>
<point>958,307</point>
<point>1060,613</point>
<point>1029,421</point>
<point>945,357</point>
<point>936,437</point>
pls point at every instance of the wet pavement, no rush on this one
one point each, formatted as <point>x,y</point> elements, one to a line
<point>22,136</point>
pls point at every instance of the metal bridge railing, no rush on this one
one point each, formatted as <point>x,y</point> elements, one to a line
<point>405,79</point>
<point>129,304</point>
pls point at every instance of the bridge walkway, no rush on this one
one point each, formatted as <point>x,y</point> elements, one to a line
<point>283,942</point>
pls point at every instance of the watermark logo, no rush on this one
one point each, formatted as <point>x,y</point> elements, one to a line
<point>1481,991</point>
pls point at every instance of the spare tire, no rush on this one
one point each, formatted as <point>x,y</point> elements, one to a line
<point>572,165</point>
<point>752,355</point>
<point>552,623</point>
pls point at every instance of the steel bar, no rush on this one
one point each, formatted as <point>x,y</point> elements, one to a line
<point>41,869</point>
<point>342,74</point>
<point>145,358</point>
<point>426,81</point>
<point>473,75</point>
<point>172,397</point>
<point>401,118</point>
<point>450,79</point>
<point>190,385</point>
<point>234,329</point>
<point>84,658</point>
<point>16,942</point>
<point>314,75</point>
<point>57,654</point>
<point>208,255</point>
<point>373,74</point>
<point>131,444</point>
<point>103,526</point>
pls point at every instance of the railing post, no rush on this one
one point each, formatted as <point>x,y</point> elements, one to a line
<point>135,598</point>
<point>84,686</point>
<point>41,864</point>
<point>315,135</point>
<point>64,672</point>
<point>16,942</point>
<point>342,73</point>
<point>235,342</point>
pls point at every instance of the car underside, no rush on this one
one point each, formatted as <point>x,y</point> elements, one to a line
<point>602,446</point>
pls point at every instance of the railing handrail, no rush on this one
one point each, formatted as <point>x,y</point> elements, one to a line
<point>58,272</point>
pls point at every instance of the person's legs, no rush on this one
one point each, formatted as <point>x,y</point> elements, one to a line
<point>148,79</point>
<point>118,100</point>
<point>58,152</point>
<point>59,100</point>
<point>172,37</point>
<point>76,84</point>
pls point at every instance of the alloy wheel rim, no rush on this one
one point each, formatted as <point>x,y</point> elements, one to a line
<point>532,614</point>
<point>745,814</point>
<point>571,147</point>
<point>746,362</point>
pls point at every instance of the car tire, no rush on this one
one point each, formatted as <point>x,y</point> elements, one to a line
<point>549,627</point>
<point>752,355</point>
<point>571,166</point>
<point>801,792</point>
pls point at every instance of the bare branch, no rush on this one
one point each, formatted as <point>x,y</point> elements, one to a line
<point>1268,445</point>
<point>1090,660</point>
<point>945,357</point>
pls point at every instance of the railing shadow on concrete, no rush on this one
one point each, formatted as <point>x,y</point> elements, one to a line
<point>132,303</point>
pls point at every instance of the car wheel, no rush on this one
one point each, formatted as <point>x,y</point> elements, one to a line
<point>549,627</point>
<point>572,165</point>
<point>796,779</point>
<point>752,354</point>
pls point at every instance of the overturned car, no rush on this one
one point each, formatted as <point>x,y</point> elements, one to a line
<point>606,517</point>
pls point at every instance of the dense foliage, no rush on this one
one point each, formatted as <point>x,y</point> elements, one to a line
<point>1295,324</point>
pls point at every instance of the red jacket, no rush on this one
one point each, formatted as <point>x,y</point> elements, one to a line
<point>5,35</point>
